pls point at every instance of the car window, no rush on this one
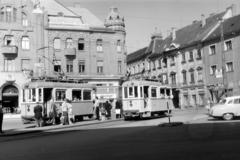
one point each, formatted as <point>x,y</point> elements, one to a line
<point>236,101</point>
<point>230,101</point>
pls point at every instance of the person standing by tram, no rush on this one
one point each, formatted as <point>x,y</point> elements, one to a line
<point>1,117</point>
<point>38,115</point>
<point>53,112</point>
<point>64,118</point>
<point>96,108</point>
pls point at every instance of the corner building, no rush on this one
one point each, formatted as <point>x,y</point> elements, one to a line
<point>43,39</point>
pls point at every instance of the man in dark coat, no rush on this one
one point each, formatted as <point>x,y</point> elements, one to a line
<point>1,117</point>
<point>108,108</point>
<point>38,115</point>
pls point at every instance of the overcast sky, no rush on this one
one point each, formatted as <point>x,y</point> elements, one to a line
<point>143,16</point>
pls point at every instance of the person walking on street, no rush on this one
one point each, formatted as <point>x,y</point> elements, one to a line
<point>70,113</point>
<point>53,112</point>
<point>118,109</point>
<point>108,108</point>
<point>96,108</point>
<point>38,115</point>
<point>65,113</point>
<point>1,117</point>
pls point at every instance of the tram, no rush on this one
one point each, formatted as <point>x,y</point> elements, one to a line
<point>41,92</point>
<point>145,98</point>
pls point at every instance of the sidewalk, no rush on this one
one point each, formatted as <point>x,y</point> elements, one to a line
<point>33,129</point>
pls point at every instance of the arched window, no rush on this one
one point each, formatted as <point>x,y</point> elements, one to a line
<point>81,44</point>
<point>24,19</point>
<point>184,76</point>
<point>119,47</point>
<point>69,43</point>
<point>25,43</point>
<point>8,14</point>
<point>99,45</point>
<point>57,43</point>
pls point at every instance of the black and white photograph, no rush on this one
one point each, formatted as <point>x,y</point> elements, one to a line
<point>119,79</point>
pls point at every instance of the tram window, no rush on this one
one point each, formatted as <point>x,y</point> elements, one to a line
<point>87,95</point>
<point>141,92</point>
<point>154,92</point>
<point>60,95</point>
<point>34,95</point>
<point>162,92</point>
<point>39,95</point>
<point>125,92</point>
<point>130,91</point>
<point>77,95</point>
<point>145,90</point>
<point>168,92</point>
<point>136,91</point>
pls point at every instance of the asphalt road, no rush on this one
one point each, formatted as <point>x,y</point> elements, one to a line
<point>213,140</point>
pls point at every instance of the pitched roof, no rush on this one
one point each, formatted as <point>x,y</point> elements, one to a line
<point>231,27</point>
<point>137,55</point>
<point>87,17</point>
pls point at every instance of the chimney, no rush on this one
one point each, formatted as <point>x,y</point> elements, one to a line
<point>203,20</point>
<point>173,33</point>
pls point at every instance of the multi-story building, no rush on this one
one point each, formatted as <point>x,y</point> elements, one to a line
<point>221,57</point>
<point>43,39</point>
<point>177,60</point>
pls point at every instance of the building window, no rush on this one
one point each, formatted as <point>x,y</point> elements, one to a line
<point>81,44</point>
<point>69,43</point>
<point>57,44</point>
<point>184,76</point>
<point>200,75</point>
<point>183,58</point>
<point>25,43</point>
<point>192,78</point>
<point>2,14</point>
<point>173,78</point>
<point>99,66</point>
<point>213,70</point>
<point>159,64</point>
<point>9,65</point>
<point>119,47</point>
<point>212,50</point>
<point>228,45</point>
<point>164,79</point>
<point>81,66</point>
<point>57,66</point>
<point>25,64</point>
<point>190,56</point>
<point>165,62</point>
<point>172,61</point>
<point>229,67</point>
<point>8,14</point>
<point>99,45</point>
<point>120,67</point>
<point>9,40</point>
<point>14,14</point>
<point>199,54</point>
<point>69,65</point>
<point>24,19</point>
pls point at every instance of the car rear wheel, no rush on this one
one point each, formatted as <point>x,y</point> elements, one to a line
<point>228,116</point>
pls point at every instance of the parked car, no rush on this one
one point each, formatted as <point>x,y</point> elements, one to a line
<point>227,108</point>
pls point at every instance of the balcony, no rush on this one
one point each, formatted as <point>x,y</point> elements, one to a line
<point>70,52</point>
<point>9,50</point>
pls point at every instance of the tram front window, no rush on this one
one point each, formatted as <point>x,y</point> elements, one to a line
<point>154,92</point>
<point>60,95</point>
<point>136,91</point>
<point>130,93</point>
<point>162,92</point>
<point>77,95</point>
<point>168,92</point>
<point>145,91</point>
<point>87,95</point>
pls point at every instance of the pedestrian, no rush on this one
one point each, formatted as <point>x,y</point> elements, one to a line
<point>70,113</point>
<point>108,108</point>
<point>96,108</point>
<point>53,112</point>
<point>118,109</point>
<point>64,118</point>
<point>1,117</point>
<point>102,112</point>
<point>38,115</point>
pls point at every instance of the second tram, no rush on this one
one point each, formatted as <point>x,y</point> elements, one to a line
<point>145,98</point>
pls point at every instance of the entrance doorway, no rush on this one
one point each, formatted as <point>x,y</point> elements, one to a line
<point>10,99</point>
<point>175,93</point>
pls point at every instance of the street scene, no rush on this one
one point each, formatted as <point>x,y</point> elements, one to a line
<point>119,79</point>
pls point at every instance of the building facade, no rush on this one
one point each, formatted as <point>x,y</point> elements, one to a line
<point>43,39</point>
<point>177,60</point>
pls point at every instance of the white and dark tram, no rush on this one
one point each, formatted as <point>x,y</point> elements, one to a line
<point>143,98</point>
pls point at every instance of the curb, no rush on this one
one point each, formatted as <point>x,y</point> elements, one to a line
<point>23,131</point>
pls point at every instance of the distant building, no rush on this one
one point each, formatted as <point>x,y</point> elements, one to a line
<point>43,39</point>
<point>177,60</point>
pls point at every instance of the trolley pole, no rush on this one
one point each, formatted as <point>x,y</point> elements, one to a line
<point>169,119</point>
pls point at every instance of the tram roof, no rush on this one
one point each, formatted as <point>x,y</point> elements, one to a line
<point>43,84</point>
<point>144,83</point>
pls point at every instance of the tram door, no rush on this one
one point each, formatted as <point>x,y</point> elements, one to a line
<point>47,95</point>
